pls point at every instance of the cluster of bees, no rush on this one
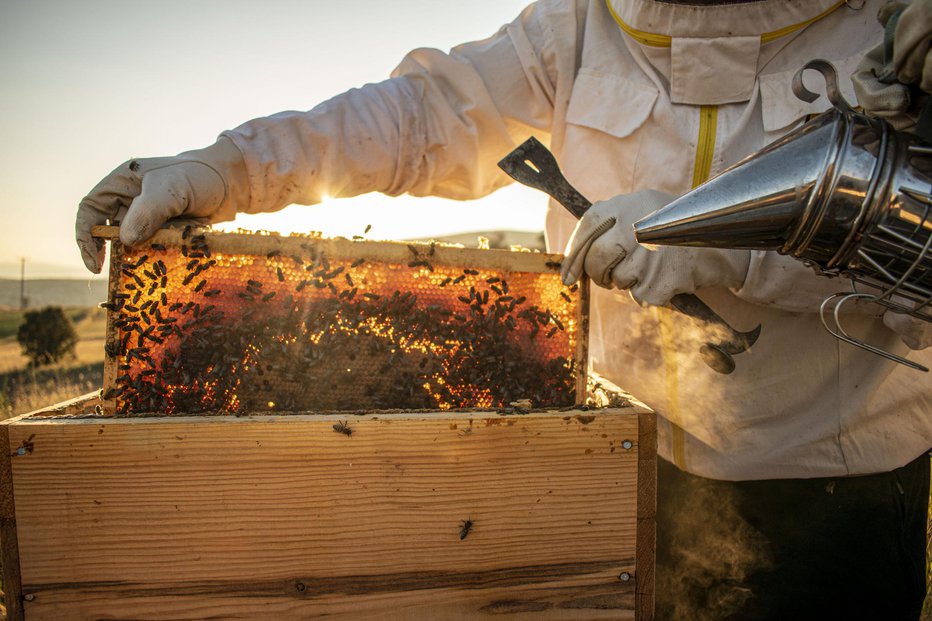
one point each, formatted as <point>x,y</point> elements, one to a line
<point>198,331</point>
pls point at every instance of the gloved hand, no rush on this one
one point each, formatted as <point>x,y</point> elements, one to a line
<point>883,79</point>
<point>603,245</point>
<point>915,333</point>
<point>198,186</point>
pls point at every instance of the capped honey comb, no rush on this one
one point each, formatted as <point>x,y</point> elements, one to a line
<point>233,323</point>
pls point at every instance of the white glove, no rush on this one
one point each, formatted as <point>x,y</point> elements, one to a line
<point>883,84</point>
<point>915,333</point>
<point>199,186</point>
<point>603,245</point>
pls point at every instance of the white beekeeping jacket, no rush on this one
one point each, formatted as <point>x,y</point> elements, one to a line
<point>635,94</point>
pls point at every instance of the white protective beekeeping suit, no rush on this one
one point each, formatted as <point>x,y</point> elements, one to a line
<point>631,95</point>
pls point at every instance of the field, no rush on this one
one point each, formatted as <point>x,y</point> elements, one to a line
<point>23,389</point>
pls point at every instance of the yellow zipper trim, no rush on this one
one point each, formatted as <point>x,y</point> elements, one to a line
<point>705,150</point>
<point>659,40</point>
<point>705,143</point>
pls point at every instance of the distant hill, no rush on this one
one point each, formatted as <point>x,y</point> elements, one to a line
<point>47,271</point>
<point>54,292</point>
<point>497,239</point>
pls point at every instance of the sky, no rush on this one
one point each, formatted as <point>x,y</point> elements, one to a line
<point>87,85</point>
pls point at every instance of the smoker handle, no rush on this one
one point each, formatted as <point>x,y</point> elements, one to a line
<point>533,165</point>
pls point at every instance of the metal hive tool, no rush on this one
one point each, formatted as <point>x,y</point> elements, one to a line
<point>204,322</point>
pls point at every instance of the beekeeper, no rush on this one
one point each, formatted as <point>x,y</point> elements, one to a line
<point>795,487</point>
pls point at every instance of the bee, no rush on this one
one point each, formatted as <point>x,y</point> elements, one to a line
<point>465,527</point>
<point>565,297</point>
<point>343,427</point>
<point>357,262</point>
<point>281,275</point>
<point>157,247</point>
<point>368,228</point>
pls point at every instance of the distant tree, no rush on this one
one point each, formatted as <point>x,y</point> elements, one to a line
<point>46,336</point>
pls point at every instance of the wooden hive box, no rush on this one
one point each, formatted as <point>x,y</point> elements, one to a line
<point>280,517</point>
<point>112,511</point>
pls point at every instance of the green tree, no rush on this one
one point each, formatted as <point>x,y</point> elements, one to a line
<point>46,336</point>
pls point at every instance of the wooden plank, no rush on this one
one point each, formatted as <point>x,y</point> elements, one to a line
<point>645,556</point>
<point>581,355</point>
<point>112,337</point>
<point>72,407</point>
<point>179,518</point>
<point>9,538</point>
<point>340,247</point>
<point>570,598</point>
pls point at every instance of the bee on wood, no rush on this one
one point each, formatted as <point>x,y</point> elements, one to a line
<point>343,427</point>
<point>157,247</point>
<point>465,527</point>
<point>273,254</point>
<point>357,262</point>
<point>554,264</point>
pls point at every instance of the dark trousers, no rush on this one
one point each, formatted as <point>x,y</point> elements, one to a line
<point>792,549</point>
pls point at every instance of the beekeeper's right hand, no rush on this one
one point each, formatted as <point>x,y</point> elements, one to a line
<point>144,194</point>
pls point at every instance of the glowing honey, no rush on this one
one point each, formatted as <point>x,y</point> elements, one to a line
<point>233,323</point>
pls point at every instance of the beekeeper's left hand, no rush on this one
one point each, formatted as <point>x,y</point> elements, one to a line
<point>603,245</point>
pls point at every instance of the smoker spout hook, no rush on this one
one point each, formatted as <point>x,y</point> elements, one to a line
<point>830,74</point>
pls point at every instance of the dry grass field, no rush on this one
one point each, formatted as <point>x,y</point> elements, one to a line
<point>23,389</point>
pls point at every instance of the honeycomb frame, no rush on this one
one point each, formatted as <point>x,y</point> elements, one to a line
<point>438,284</point>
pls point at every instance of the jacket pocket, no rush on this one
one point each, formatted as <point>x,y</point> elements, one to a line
<point>609,103</point>
<point>781,109</point>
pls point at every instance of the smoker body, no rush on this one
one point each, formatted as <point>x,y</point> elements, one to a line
<point>845,193</point>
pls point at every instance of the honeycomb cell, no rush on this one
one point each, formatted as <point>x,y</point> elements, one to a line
<point>223,323</point>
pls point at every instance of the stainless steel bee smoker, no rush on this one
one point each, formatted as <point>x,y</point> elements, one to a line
<point>845,193</point>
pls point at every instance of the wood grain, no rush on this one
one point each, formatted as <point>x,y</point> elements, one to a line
<point>9,538</point>
<point>280,517</point>
<point>646,516</point>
